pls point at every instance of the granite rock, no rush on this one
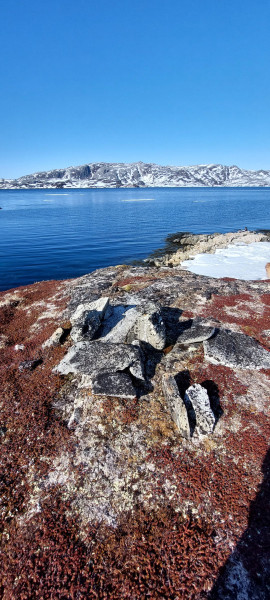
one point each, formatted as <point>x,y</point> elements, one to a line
<point>149,327</point>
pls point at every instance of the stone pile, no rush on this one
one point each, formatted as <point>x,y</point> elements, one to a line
<point>111,343</point>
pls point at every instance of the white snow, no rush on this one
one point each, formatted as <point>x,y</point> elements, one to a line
<point>241,261</point>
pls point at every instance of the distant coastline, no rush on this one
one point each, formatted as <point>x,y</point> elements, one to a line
<point>139,175</point>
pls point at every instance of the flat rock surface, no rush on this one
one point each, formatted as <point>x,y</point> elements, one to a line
<point>113,384</point>
<point>236,350</point>
<point>91,358</point>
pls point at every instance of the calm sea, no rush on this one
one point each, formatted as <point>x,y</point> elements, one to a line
<point>57,234</point>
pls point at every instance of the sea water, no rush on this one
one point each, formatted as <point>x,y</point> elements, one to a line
<point>57,234</point>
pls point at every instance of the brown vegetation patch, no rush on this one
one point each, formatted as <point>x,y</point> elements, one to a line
<point>155,555</point>
<point>249,312</point>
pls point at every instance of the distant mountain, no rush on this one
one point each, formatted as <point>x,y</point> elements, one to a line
<point>117,175</point>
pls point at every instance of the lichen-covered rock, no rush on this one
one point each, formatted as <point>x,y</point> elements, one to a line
<point>205,419</point>
<point>149,327</point>
<point>176,405</point>
<point>91,358</point>
<point>113,384</point>
<point>196,332</point>
<point>86,319</point>
<point>236,350</point>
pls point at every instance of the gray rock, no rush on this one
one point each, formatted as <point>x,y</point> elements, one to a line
<point>91,358</point>
<point>236,350</point>
<point>87,318</point>
<point>30,365</point>
<point>113,384</point>
<point>128,323</point>
<point>197,396</point>
<point>176,405</point>
<point>196,333</point>
<point>149,327</point>
<point>118,323</point>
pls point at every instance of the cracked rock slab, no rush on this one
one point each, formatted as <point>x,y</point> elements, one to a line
<point>176,405</point>
<point>197,396</point>
<point>236,350</point>
<point>92,358</point>
<point>113,384</point>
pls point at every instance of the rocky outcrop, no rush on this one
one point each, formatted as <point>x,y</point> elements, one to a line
<point>131,414</point>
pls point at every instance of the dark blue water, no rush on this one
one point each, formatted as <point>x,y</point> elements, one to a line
<point>56,234</point>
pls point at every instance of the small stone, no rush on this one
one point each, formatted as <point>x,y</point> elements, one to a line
<point>91,358</point>
<point>19,347</point>
<point>113,384</point>
<point>30,365</point>
<point>236,350</point>
<point>55,338</point>
<point>199,399</point>
<point>176,405</point>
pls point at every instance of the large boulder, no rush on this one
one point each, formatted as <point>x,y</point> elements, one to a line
<point>149,327</point>
<point>128,323</point>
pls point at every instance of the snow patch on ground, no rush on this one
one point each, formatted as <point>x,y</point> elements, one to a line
<point>240,261</point>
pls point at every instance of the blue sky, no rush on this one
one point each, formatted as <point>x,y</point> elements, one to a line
<point>178,82</point>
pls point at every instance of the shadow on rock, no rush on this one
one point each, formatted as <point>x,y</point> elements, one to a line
<point>174,328</point>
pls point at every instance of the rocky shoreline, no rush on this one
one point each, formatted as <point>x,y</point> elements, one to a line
<point>183,246</point>
<point>135,425</point>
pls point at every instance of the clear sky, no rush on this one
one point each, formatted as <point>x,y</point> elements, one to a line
<point>175,82</point>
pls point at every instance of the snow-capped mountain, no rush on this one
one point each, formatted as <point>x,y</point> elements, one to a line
<point>116,175</point>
